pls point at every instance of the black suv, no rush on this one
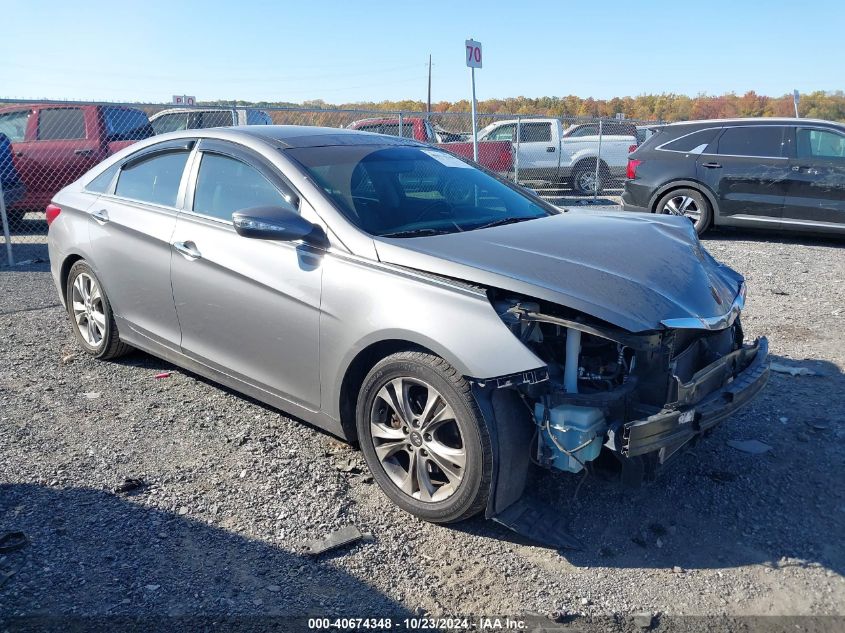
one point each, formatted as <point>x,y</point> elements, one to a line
<point>775,173</point>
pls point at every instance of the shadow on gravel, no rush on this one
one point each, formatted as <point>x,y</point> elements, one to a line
<point>735,234</point>
<point>28,257</point>
<point>94,553</point>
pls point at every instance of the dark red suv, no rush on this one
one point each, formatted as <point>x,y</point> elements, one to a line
<point>53,145</point>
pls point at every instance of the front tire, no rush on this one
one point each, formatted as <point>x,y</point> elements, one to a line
<point>424,438</point>
<point>690,204</point>
<point>91,315</point>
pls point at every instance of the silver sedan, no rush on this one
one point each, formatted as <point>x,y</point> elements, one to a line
<point>456,326</point>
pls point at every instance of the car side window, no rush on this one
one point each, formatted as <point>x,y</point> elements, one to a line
<point>536,133</point>
<point>59,124</point>
<point>587,130</point>
<point>813,143</point>
<point>155,179</point>
<point>13,125</point>
<point>503,133</point>
<point>763,141</point>
<point>101,183</point>
<point>225,185</point>
<point>215,118</point>
<point>170,122</point>
<point>694,143</point>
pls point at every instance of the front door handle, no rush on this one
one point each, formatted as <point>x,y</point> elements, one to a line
<point>102,216</point>
<point>188,249</point>
<point>712,165</point>
<point>83,152</point>
<point>806,169</point>
<point>550,149</point>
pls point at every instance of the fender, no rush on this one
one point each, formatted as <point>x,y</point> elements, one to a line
<point>454,320</point>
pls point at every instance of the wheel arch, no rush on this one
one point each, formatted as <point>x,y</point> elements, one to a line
<point>64,273</point>
<point>358,368</point>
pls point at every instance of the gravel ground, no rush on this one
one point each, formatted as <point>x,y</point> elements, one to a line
<point>233,489</point>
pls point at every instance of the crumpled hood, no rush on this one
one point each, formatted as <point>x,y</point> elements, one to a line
<point>631,270</point>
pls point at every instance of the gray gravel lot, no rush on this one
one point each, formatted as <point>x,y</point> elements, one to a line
<point>234,488</point>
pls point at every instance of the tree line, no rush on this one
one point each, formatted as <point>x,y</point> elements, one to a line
<point>662,107</point>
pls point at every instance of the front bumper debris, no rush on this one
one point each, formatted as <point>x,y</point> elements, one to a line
<point>714,393</point>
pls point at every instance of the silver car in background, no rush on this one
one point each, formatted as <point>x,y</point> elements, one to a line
<point>453,324</point>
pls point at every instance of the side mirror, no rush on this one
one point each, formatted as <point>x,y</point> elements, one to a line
<point>277,223</point>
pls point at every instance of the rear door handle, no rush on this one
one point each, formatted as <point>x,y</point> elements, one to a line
<point>83,152</point>
<point>806,169</point>
<point>102,216</point>
<point>550,149</point>
<point>188,249</point>
<point>712,165</point>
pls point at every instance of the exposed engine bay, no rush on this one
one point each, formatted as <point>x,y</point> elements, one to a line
<point>631,394</point>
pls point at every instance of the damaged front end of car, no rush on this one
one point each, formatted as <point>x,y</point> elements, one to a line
<point>637,396</point>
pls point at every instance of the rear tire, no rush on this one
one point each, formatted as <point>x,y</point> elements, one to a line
<point>91,315</point>
<point>424,438</point>
<point>584,179</point>
<point>689,203</point>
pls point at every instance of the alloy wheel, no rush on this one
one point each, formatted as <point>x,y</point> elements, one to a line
<point>88,310</point>
<point>417,439</point>
<point>587,181</point>
<point>685,206</point>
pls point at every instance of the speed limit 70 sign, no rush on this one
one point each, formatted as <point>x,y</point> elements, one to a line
<point>473,54</point>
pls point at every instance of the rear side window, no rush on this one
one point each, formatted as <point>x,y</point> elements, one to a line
<point>820,144</point>
<point>59,124</point>
<point>226,185</point>
<point>694,143</point>
<point>536,133</point>
<point>13,125</point>
<point>155,180</point>
<point>763,141</point>
<point>101,183</point>
<point>124,124</point>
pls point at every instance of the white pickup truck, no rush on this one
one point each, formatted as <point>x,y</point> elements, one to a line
<point>548,153</point>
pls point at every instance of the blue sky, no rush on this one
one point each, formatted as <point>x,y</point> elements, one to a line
<point>370,50</point>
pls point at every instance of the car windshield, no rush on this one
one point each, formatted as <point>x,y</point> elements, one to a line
<point>404,191</point>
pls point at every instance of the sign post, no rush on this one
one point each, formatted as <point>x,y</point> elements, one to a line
<point>473,56</point>
<point>795,99</point>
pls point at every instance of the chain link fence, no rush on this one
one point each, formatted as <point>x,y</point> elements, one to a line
<point>45,145</point>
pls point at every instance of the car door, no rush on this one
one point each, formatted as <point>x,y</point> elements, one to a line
<point>247,307</point>
<point>816,187</point>
<point>130,229</point>
<point>747,168</point>
<point>539,155</point>
<point>66,145</point>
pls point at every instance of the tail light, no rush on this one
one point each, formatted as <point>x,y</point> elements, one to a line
<point>632,149</point>
<point>52,212</point>
<point>631,172</point>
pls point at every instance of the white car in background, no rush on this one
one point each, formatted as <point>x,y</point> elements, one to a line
<point>549,153</point>
<point>175,119</point>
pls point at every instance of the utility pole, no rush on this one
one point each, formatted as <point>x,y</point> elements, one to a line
<point>428,101</point>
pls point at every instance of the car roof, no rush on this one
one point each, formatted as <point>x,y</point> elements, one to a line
<point>290,136</point>
<point>753,121</point>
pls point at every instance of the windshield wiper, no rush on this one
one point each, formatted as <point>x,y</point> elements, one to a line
<point>501,222</point>
<point>417,233</point>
